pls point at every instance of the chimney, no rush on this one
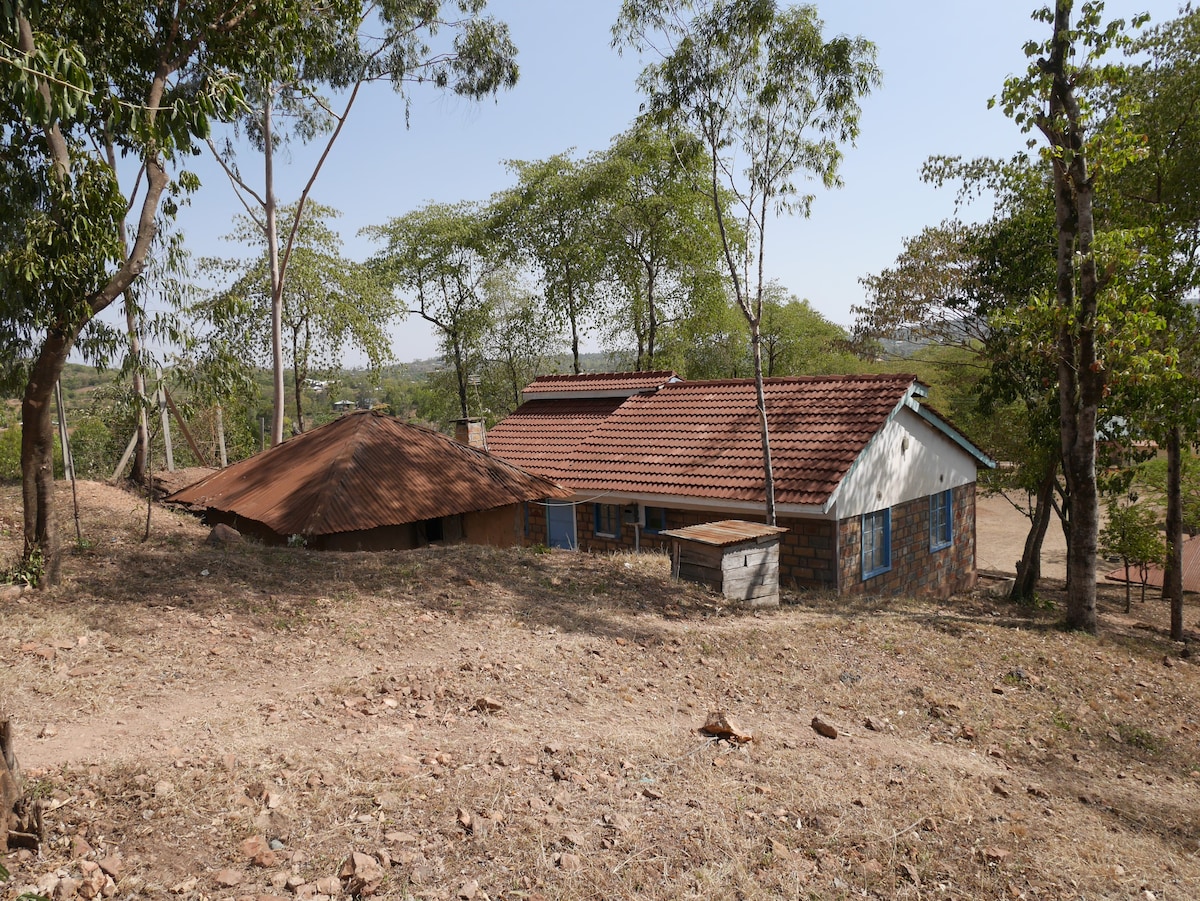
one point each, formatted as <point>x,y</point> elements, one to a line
<point>471,433</point>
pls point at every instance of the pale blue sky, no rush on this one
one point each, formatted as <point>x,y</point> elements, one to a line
<point>941,61</point>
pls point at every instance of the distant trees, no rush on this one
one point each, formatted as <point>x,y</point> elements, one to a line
<point>328,304</point>
<point>343,46</point>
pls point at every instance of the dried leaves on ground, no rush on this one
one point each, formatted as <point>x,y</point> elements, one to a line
<point>470,723</point>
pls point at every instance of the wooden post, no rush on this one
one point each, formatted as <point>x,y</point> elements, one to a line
<point>221,437</point>
<point>166,420</point>
<point>187,433</point>
<point>20,817</point>
<point>63,438</point>
<point>125,456</point>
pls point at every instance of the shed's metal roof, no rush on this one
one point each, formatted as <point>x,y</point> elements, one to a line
<point>363,471</point>
<point>726,532</point>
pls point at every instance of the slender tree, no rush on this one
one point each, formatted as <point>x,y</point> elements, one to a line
<point>552,219</point>
<point>330,303</point>
<point>658,236</point>
<point>772,100</point>
<point>346,45</point>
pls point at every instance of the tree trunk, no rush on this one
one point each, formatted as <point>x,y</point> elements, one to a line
<point>271,211</point>
<point>1128,586</point>
<point>1172,591</point>
<point>761,399</point>
<point>1080,374</point>
<point>20,817</point>
<point>652,318</point>
<point>37,455</point>
<point>1029,567</point>
<point>460,372</point>
<point>138,475</point>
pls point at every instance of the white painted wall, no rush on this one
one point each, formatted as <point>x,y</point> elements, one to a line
<point>907,459</point>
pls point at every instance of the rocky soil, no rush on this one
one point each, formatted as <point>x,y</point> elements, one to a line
<point>461,723</point>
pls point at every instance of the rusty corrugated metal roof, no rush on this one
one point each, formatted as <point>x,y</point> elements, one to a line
<point>1191,569</point>
<point>362,471</point>
<point>726,532</point>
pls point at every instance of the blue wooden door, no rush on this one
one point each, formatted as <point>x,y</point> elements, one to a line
<point>560,524</point>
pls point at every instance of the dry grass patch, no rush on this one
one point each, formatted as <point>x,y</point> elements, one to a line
<point>522,725</point>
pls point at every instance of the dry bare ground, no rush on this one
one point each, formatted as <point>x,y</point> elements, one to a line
<point>472,723</point>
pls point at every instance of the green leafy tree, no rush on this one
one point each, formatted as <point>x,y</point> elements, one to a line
<point>70,90</point>
<point>1158,193</point>
<point>443,259</point>
<point>773,101</point>
<point>1131,534</point>
<point>346,45</point>
<point>966,287</point>
<point>710,343</point>
<point>330,304</point>
<point>552,219</point>
<point>658,235</point>
<point>797,340</point>
<point>518,345</point>
<point>1060,97</point>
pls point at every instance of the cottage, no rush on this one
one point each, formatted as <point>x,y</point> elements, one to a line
<point>876,490</point>
<point>368,481</point>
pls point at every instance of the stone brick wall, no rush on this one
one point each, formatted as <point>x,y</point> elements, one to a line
<point>916,569</point>
<point>821,554</point>
<point>806,554</point>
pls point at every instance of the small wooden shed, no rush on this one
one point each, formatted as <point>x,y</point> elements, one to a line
<point>740,559</point>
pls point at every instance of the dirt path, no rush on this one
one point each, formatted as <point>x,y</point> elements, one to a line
<point>1000,531</point>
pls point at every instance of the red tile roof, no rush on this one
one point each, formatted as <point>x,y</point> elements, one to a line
<point>702,439</point>
<point>598,383</point>
<point>540,435</point>
<point>362,471</point>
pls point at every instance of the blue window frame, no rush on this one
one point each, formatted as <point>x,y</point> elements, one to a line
<point>608,520</point>
<point>941,520</point>
<point>656,519</point>
<point>876,543</point>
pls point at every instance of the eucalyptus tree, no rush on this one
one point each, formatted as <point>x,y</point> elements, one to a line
<point>347,45</point>
<point>442,258</point>
<point>70,92</point>
<point>772,101</point>
<point>518,344</point>
<point>659,235</point>
<point>552,219</point>
<point>330,304</point>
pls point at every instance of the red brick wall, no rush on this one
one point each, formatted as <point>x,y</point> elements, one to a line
<point>915,568</point>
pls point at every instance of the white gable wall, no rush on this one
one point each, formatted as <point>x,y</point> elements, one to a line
<point>907,459</point>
